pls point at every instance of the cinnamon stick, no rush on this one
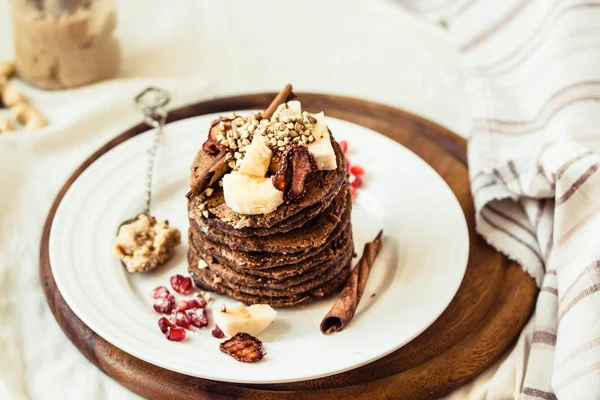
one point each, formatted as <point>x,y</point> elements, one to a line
<point>344,308</point>
<point>282,97</point>
<point>214,172</point>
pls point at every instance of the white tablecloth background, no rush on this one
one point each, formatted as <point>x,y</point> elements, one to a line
<point>199,50</point>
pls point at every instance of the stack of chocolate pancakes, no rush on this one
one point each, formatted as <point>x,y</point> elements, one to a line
<point>298,253</point>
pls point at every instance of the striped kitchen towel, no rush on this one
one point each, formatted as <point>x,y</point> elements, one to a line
<point>532,70</point>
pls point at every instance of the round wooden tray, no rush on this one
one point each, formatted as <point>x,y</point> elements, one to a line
<point>491,307</point>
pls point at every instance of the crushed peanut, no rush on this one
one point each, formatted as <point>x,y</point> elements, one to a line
<point>7,68</point>
<point>6,125</point>
<point>11,96</point>
<point>29,116</point>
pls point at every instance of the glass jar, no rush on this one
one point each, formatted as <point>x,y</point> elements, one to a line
<point>63,44</point>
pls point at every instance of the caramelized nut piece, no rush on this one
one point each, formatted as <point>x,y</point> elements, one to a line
<point>11,96</point>
<point>7,68</point>
<point>6,125</point>
<point>29,116</point>
<point>243,347</point>
<point>296,167</point>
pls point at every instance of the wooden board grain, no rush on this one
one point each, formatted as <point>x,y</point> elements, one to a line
<point>487,314</point>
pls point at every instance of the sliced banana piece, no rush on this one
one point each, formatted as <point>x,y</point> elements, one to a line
<point>250,195</point>
<point>319,129</point>
<point>295,107</point>
<point>257,159</point>
<point>321,148</point>
<point>252,319</point>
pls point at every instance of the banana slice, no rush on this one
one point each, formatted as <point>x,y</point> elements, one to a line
<point>295,107</point>
<point>246,194</point>
<point>321,148</point>
<point>257,159</point>
<point>252,319</point>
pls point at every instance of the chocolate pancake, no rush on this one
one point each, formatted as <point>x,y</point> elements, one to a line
<point>286,225</point>
<point>310,235</point>
<point>331,269</point>
<point>279,273</point>
<point>292,275</point>
<point>259,260</point>
<point>321,188</point>
<point>328,288</point>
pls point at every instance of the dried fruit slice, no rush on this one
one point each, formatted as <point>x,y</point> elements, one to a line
<point>296,167</point>
<point>243,347</point>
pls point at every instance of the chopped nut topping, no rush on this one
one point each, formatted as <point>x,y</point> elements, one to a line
<point>236,132</point>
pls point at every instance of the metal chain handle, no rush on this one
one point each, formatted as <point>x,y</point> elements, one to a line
<point>152,102</point>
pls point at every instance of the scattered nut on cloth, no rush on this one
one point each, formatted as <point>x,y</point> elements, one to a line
<point>7,68</point>
<point>534,160</point>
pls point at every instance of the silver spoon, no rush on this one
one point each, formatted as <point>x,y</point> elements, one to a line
<point>152,103</point>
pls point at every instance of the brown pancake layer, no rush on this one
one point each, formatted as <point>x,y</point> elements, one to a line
<point>312,234</point>
<point>259,260</point>
<point>279,273</point>
<point>316,272</point>
<point>327,289</point>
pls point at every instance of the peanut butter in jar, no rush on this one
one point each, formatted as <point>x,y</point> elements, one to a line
<point>62,44</point>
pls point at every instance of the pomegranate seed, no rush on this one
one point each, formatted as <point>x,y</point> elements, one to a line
<point>192,303</point>
<point>357,170</point>
<point>164,324</point>
<point>182,320</point>
<point>165,306</point>
<point>181,284</point>
<point>175,334</point>
<point>357,182</point>
<point>197,317</point>
<point>160,292</point>
<point>218,333</point>
<point>344,146</point>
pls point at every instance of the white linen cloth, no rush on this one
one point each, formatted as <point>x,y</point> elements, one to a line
<point>533,79</point>
<point>198,50</point>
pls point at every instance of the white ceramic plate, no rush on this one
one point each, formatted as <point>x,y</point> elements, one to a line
<point>417,273</point>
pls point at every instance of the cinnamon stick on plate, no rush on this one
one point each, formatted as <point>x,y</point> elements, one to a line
<point>344,308</point>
